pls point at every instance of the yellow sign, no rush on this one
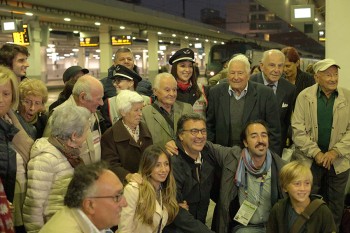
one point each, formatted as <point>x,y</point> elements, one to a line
<point>21,38</point>
<point>121,40</point>
<point>89,41</point>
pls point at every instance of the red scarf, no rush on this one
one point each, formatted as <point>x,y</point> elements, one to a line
<point>184,86</point>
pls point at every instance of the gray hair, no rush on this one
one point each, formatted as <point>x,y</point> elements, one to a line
<point>159,77</point>
<point>243,59</point>
<point>83,84</point>
<point>122,50</point>
<point>187,117</point>
<point>83,183</point>
<point>271,51</point>
<point>125,99</point>
<point>69,119</point>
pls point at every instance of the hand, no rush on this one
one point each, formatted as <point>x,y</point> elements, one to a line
<point>319,158</point>
<point>329,158</point>
<point>135,177</point>
<point>184,205</point>
<point>171,148</point>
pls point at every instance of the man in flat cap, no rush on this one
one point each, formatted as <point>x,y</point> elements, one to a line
<point>321,133</point>
<point>122,79</point>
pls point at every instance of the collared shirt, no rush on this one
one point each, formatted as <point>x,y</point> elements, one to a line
<point>266,83</point>
<point>93,228</point>
<point>232,92</point>
<point>169,114</point>
<point>325,118</point>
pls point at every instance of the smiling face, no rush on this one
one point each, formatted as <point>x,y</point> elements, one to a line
<point>126,59</point>
<point>291,69</point>
<point>299,189</point>
<point>160,171</point>
<point>272,67</point>
<point>167,91</point>
<point>5,97</point>
<point>328,79</point>
<point>184,71</point>
<point>20,65</point>
<point>133,117</point>
<point>30,106</point>
<point>257,140</point>
<point>237,76</point>
<point>192,143</point>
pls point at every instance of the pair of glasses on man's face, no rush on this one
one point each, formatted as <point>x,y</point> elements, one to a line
<point>195,132</point>
<point>117,198</point>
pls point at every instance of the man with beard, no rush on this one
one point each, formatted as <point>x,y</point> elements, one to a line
<point>249,190</point>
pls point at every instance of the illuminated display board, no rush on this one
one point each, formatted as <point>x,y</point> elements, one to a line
<point>21,38</point>
<point>121,40</point>
<point>89,41</point>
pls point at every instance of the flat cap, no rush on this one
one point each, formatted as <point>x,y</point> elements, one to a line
<point>324,64</point>
<point>122,72</point>
<point>72,71</point>
<point>184,54</point>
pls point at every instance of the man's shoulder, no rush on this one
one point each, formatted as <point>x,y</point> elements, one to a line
<point>256,77</point>
<point>219,88</point>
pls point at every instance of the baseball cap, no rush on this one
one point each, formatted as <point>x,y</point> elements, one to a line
<point>324,64</point>
<point>72,71</point>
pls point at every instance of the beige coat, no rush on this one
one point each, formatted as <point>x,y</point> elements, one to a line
<point>305,131</point>
<point>128,223</point>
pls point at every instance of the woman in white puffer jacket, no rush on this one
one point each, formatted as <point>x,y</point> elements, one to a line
<point>51,165</point>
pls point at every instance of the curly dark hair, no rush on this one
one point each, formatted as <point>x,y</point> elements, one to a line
<point>9,51</point>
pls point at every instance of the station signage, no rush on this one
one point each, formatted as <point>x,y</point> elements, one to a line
<point>89,41</point>
<point>121,40</point>
<point>21,38</point>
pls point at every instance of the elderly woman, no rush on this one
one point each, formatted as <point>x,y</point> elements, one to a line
<point>52,163</point>
<point>15,145</point>
<point>188,90</point>
<point>33,97</point>
<point>123,144</point>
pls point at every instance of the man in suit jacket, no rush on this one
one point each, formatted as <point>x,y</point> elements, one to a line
<point>234,103</point>
<point>161,117</point>
<point>271,66</point>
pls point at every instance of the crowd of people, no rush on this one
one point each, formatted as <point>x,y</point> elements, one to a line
<point>122,155</point>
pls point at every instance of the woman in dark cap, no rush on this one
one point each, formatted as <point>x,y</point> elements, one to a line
<point>188,90</point>
<point>294,75</point>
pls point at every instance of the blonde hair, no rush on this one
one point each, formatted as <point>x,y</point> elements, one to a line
<point>146,205</point>
<point>6,75</point>
<point>34,87</point>
<point>293,170</point>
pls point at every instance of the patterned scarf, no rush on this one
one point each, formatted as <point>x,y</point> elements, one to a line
<point>6,223</point>
<point>72,154</point>
<point>246,164</point>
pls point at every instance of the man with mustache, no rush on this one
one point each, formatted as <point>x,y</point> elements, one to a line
<point>321,133</point>
<point>250,187</point>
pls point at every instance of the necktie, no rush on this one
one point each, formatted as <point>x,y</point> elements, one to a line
<point>271,85</point>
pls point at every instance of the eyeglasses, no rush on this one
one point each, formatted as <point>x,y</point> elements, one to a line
<point>195,132</point>
<point>31,103</point>
<point>117,198</point>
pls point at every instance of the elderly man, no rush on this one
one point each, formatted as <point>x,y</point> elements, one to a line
<point>161,116</point>
<point>251,185</point>
<point>16,58</point>
<point>88,93</point>
<point>93,202</point>
<point>321,133</point>
<point>272,64</point>
<point>193,170</point>
<point>233,104</point>
<point>125,57</point>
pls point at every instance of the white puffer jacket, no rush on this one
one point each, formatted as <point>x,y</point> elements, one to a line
<point>49,174</point>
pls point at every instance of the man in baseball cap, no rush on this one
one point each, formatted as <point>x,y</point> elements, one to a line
<point>321,123</point>
<point>74,72</point>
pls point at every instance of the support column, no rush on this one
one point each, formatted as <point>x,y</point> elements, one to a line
<point>207,46</point>
<point>36,64</point>
<point>152,55</point>
<point>81,57</point>
<point>183,43</point>
<point>106,51</point>
<point>337,37</point>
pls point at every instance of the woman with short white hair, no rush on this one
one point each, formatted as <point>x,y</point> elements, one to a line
<point>123,144</point>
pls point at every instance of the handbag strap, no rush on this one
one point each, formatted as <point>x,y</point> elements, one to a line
<point>305,215</point>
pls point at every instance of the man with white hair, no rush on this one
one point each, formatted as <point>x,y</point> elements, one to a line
<point>87,92</point>
<point>321,134</point>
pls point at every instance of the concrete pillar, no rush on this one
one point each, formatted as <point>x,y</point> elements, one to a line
<point>106,51</point>
<point>337,37</point>
<point>36,64</point>
<point>184,43</point>
<point>207,46</point>
<point>152,55</point>
<point>81,57</point>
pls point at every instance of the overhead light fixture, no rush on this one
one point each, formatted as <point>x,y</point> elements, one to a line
<point>97,23</point>
<point>160,33</point>
<point>186,37</point>
<point>67,19</point>
<point>122,27</point>
<point>206,40</point>
<point>75,32</point>
<point>173,35</point>
<point>29,13</point>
